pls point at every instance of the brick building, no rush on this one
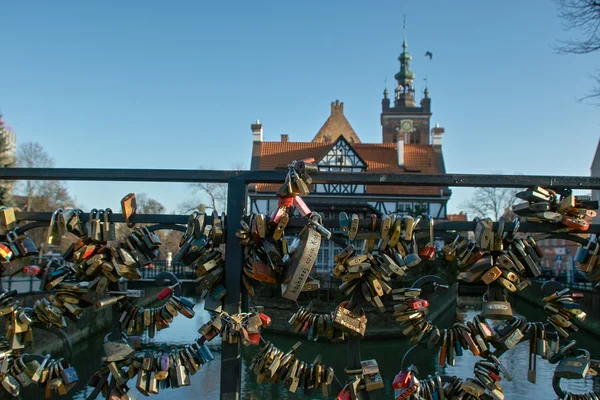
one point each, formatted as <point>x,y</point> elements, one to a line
<point>409,144</point>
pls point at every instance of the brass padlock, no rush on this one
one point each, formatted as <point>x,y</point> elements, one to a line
<point>117,350</point>
<point>348,321</point>
<point>129,208</point>
<point>301,264</point>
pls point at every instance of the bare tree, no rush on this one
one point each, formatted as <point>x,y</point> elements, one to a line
<point>216,193</point>
<point>41,195</point>
<point>190,205</point>
<point>491,202</point>
<point>582,16</point>
<point>148,205</point>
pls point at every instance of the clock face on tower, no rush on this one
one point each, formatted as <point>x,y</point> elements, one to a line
<point>406,125</point>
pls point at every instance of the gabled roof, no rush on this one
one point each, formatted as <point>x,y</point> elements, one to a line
<point>336,125</point>
<point>418,158</point>
<point>340,139</point>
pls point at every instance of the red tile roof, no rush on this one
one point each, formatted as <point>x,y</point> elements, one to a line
<point>379,158</point>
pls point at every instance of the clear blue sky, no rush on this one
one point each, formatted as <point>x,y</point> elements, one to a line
<point>176,84</point>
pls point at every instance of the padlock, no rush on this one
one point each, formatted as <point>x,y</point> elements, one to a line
<point>574,367</point>
<point>430,249</point>
<point>402,380</point>
<point>8,221</point>
<point>6,252</point>
<point>129,208</point>
<point>412,259</point>
<point>117,350</point>
<point>348,321</point>
<point>499,310</point>
<point>21,245</point>
<point>53,234</point>
<point>108,227</point>
<point>301,263</point>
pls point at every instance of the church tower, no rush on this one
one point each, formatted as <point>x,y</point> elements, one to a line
<point>404,120</point>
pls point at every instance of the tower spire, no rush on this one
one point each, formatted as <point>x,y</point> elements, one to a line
<point>405,77</point>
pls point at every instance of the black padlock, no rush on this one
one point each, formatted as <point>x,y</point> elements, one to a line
<point>574,367</point>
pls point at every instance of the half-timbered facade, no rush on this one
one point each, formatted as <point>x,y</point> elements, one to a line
<point>408,145</point>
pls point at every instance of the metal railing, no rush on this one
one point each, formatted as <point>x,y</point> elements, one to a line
<point>236,298</point>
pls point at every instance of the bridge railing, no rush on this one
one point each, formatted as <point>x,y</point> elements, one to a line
<point>237,182</point>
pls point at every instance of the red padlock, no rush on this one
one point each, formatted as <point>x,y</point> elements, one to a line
<point>265,320</point>
<point>306,326</point>
<point>32,270</point>
<point>401,380</point>
<point>166,292</point>
<point>89,251</point>
<point>254,339</point>
<point>417,304</point>
<point>163,294</point>
<point>344,394</point>
<point>494,376</point>
<point>263,272</point>
<point>575,223</point>
<point>286,201</point>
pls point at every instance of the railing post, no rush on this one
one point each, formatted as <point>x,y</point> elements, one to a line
<point>231,362</point>
<point>354,357</point>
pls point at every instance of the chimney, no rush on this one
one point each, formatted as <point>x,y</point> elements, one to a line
<point>400,147</point>
<point>285,138</point>
<point>436,135</point>
<point>257,131</point>
<point>337,107</point>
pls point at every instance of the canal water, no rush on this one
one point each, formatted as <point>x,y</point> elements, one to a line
<point>388,353</point>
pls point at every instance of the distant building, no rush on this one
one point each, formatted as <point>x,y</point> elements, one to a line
<point>558,256</point>
<point>7,154</point>
<point>409,144</point>
<point>461,217</point>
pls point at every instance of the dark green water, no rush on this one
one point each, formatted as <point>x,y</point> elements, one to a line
<point>388,353</point>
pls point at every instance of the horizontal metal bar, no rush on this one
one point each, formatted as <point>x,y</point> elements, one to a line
<point>295,224</point>
<point>459,226</point>
<point>138,219</point>
<point>117,175</point>
<point>179,175</point>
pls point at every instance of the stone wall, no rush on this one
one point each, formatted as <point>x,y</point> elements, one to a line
<point>91,322</point>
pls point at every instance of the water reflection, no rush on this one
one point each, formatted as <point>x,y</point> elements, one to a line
<point>389,353</point>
